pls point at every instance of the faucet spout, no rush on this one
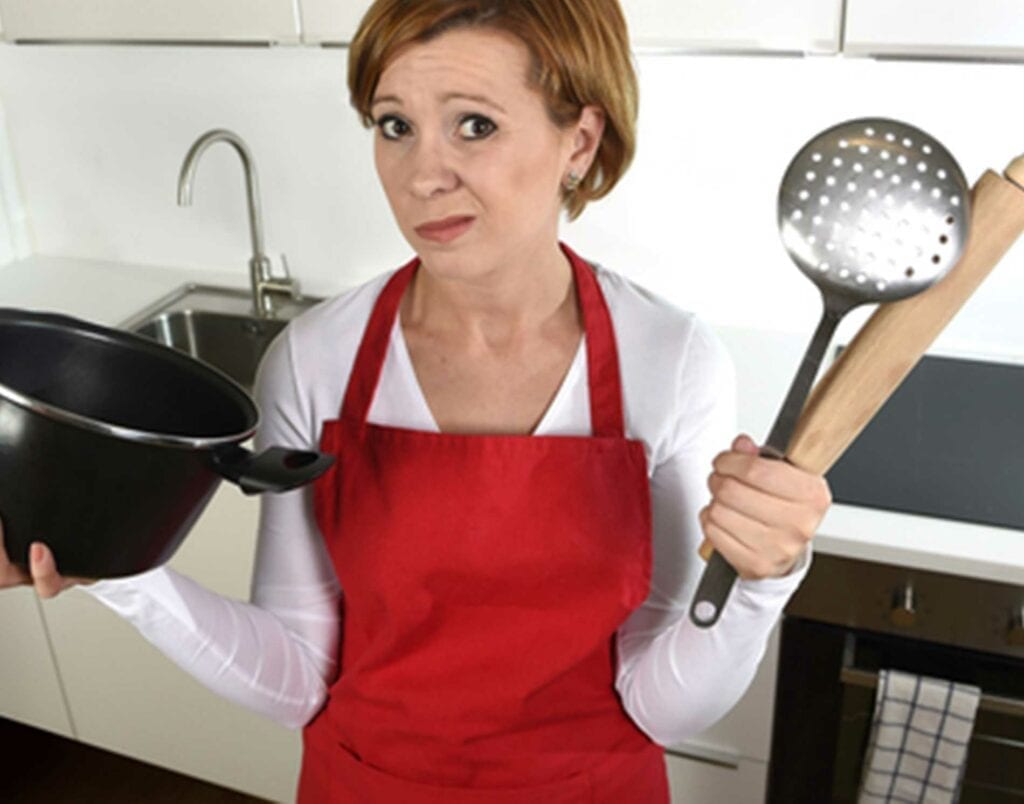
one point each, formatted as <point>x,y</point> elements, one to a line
<point>263,284</point>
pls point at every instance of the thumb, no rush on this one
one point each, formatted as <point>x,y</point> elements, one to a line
<point>744,443</point>
<point>43,567</point>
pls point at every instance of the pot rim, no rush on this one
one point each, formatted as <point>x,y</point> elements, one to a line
<point>117,431</point>
<point>121,339</point>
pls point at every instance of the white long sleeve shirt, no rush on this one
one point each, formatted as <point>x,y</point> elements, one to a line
<point>278,653</point>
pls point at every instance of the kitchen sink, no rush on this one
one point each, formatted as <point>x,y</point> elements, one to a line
<point>217,326</point>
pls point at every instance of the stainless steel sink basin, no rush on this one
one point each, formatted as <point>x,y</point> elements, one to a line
<point>216,325</point>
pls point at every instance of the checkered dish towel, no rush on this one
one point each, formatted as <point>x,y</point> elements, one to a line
<point>919,735</point>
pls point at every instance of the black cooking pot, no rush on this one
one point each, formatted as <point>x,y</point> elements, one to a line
<point>111,445</point>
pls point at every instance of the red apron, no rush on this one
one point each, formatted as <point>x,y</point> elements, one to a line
<point>484,579</point>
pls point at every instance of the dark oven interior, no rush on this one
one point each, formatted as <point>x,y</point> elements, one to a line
<point>851,619</point>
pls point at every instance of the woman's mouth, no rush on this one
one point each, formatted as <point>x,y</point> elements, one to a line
<point>446,229</point>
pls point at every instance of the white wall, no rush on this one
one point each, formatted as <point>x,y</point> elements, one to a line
<point>99,133</point>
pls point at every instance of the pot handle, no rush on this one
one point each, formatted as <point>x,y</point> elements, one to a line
<point>275,469</point>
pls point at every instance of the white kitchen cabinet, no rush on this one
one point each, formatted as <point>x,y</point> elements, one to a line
<point>699,782</point>
<point>980,29</point>
<point>803,26</point>
<point>151,20</point>
<point>30,690</point>
<point>333,21</point>
<point>728,25</point>
<point>127,697</point>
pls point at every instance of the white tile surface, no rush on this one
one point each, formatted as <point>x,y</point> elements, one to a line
<point>99,134</point>
<point>14,238</point>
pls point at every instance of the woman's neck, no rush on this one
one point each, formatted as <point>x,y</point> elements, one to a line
<point>497,308</point>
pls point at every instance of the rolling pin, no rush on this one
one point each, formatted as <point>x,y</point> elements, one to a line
<point>897,334</point>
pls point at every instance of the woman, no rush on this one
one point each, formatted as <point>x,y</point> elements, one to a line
<point>518,433</point>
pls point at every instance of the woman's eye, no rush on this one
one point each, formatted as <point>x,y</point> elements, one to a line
<point>476,127</point>
<point>392,128</point>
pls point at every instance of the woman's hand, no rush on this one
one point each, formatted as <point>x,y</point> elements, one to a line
<point>763,512</point>
<point>42,572</point>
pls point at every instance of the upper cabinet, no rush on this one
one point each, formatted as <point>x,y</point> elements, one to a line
<point>798,26</point>
<point>943,28</point>
<point>984,29</point>
<point>150,20</point>
<point>802,26</point>
<point>331,21</point>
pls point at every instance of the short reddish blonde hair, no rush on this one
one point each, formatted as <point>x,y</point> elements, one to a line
<point>580,52</point>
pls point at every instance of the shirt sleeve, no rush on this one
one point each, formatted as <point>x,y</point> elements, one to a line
<point>676,679</point>
<point>276,654</point>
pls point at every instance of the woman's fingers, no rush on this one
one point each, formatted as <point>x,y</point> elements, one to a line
<point>42,571</point>
<point>763,512</point>
<point>753,548</point>
<point>47,581</point>
<point>776,477</point>
<point>739,555</point>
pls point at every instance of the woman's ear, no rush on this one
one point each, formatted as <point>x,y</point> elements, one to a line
<point>586,137</point>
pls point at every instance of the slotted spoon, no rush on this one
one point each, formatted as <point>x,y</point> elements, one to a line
<point>871,210</point>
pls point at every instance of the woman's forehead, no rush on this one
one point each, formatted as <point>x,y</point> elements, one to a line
<point>466,62</point>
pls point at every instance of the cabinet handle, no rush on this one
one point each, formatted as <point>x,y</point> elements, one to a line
<point>709,756</point>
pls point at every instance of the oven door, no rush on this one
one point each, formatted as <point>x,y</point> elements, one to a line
<point>825,701</point>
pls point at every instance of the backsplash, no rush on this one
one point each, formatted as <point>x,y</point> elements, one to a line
<point>99,133</point>
<point>14,239</point>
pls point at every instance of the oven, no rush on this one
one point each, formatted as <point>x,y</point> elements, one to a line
<point>852,618</point>
<point>950,443</point>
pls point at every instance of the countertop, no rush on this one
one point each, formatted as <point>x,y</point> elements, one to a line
<point>923,542</point>
<point>106,293</point>
<point>109,293</point>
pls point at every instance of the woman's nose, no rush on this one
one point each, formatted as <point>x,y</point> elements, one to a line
<point>433,170</point>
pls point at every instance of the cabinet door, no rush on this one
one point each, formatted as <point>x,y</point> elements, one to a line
<point>803,26</point>
<point>333,21</point>
<point>151,20</point>
<point>30,691</point>
<point>732,25</point>
<point>982,28</point>
<point>127,697</point>
<point>699,782</point>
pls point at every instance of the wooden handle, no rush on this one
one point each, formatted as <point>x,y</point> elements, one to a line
<point>1015,171</point>
<point>893,339</point>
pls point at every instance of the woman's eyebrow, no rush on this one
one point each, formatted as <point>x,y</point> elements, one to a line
<point>385,99</point>
<point>475,99</point>
<point>463,96</point>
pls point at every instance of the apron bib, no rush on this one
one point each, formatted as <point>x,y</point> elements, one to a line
<point>484,579</point>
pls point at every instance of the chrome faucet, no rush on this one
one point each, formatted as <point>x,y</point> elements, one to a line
<point>265,286</point>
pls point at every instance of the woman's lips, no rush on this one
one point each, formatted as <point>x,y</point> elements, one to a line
<point>446,229</point>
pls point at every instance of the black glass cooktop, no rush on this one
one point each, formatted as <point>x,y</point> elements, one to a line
<point>949,443</point>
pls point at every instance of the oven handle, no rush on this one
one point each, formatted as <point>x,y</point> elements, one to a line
<point>987,703</point>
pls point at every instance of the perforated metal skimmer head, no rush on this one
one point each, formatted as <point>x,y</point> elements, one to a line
<point>873,210</point>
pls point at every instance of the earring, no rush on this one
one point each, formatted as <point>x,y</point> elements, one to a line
<point>572,181</point>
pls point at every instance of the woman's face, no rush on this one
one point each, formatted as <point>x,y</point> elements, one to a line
<point>471,163</point>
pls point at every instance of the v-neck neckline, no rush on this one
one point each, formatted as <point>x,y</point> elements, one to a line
<point>558,401</point>
<point>597,350</point>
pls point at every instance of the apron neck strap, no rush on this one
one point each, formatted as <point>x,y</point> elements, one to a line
<point>603,375</point>
<point>602,355</point>
<point>362,383</point>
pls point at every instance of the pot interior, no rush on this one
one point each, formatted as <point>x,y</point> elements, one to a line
<point>113,378</point>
